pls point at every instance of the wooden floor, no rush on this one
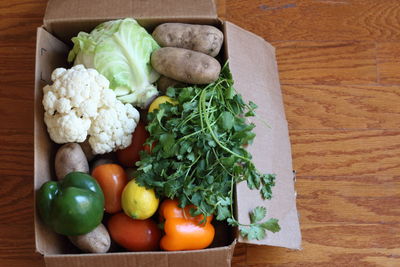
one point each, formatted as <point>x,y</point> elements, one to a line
<point>339,63</point>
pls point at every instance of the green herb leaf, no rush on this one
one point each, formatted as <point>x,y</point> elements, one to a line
<point>229,93</point>
<point>233,222</point>
<point>171,92</point>
<point>223,213</point>
<point>167,140</point>
<point>249,114</point>
<point>252,105</point>
<point>199,153</point>
<point>257,214</point>
<point>244,231</point>
<point>226,120</point>
<point>170,188</point>
<point>266,192</point>
<point>224,201</point>
<point>271,225</point>
<point>256,232</point>
<point>185,94</point>
<point>196,198</point>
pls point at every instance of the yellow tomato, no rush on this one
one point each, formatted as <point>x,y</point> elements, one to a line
<point>160,100</point>
<point>138,202</point>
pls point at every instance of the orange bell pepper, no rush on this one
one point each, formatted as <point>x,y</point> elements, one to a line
<point>183,231</point>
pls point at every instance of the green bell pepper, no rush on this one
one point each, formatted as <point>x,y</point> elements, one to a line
<point>73,206</point>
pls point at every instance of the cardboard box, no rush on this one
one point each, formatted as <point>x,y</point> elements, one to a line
<point>254,69</point>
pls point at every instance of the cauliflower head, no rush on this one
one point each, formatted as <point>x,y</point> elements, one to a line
<point>79,103</point>
<point>109,129</point>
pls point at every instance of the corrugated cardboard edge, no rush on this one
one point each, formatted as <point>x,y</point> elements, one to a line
<point>50,53</point>
<point>57,10</point>
<point>85,15</point>
<point>220,257</point>
<point>254,69</point>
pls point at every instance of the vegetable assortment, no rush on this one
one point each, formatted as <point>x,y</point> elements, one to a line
<point>160,179</point>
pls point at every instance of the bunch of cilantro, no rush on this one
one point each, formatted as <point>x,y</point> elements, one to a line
<point>199,153</point>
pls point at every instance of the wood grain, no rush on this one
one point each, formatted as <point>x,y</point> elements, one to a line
<point>318,20</point>
<point>388,58</point>
<point>339,66</point>
<point>17,245</point>
<point>342,107</point>
<point>349,199</point>
<point>326,62</point>
<point>221,8</point>
<point>18,22</point>
<point>22,9</point>
<point>239,257</point>
<point>20,31</point>
<point>346,153</point>
<point>335,245</point>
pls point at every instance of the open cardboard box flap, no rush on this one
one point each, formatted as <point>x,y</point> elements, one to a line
<point>255,73</point>
<point>253,65</point>
<point>58,10</point>
<point>85,15</point>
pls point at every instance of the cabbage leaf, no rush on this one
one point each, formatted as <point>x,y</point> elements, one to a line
<point>120,50</point>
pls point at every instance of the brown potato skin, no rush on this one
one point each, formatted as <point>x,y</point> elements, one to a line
<point>87,149</point>
<point>96,241</point>
<point>202,38</point>
<point>69,158</point>
<point>185,65</point>
<point>164,82</point>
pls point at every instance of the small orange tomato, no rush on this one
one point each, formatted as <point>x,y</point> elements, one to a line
<point>112,180</point>
<point>134,235</point>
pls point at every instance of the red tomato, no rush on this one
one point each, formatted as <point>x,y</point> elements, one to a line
<point>130,155</point>
<point>112,180</point>
<point>134,235</point>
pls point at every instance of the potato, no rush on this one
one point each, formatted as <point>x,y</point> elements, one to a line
<point>202,38</point>
<point>70,158</point>
<point>164,82</point>
<point>185,65</point>
<point>87,149</point>
<point>96,241</point>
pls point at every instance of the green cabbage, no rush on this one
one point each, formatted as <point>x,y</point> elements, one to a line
<point>120,50</point>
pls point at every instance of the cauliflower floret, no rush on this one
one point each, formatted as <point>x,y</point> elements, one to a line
<point>79,103</point>
<point>67,128</point>
<point>63,105</point>
<point>112,129</point>
<point>49,100</point>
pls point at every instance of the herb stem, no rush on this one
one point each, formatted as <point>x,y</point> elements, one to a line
<point>208,124</point>
<point>205,159</point>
